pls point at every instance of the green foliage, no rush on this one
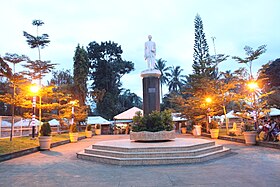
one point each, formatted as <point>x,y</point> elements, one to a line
<point>213,125</point>
<point>251,56</point>
<point>248,127</point>
<point>88,127</point>
<point>81,70</point>
<point>128,100</point>
<point>73,128</point>
<point>98,126</point>
<point>106,69</point>
<point>175,78</point>
<point>45,129</point>
<point>201,62</point>
<point>269,82</point>
<point>37,41</point>
<point>154,122</point>
<point>161,66</point>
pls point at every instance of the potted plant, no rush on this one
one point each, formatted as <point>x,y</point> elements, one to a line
<point>183,128</point>
<point>249,133</point>
<point>45,137</point>
<point>73,133</point>
<point>214,129</point>
<point>88,131</point>
<point>196,129</point>
<point>97,129</point>
<point>157,126</point>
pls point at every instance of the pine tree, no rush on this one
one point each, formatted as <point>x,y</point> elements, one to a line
<point>81,71</point>
<point>202,63</point>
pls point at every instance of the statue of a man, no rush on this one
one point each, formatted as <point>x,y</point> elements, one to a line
<point>150,53</point>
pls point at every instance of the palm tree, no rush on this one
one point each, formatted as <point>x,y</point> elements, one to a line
<point>175,82</point>
<point>161,66</point>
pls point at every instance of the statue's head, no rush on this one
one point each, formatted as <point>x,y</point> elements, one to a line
<point>150,37</point>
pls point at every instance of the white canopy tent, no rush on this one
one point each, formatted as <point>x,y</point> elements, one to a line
<point>97,120</point>
<point>26,123</point>
<point>274,112</point>
<point>128,114</point>
<point>54,122</point>
<point>6,124</point>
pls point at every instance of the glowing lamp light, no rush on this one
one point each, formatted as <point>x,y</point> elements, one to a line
<point>34,88</point>
<point>208,100</point>
<point>252,85</point>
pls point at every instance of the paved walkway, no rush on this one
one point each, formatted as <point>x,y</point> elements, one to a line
<point>247,166</point>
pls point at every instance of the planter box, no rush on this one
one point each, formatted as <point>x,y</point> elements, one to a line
<point>146,136</point>
<point>97,131</point>
<point>250,137</point>
<point>88,134</point>
<point>45,142</point>
<point>214,133</point>
<point>197,130</point>
<point>74,137</point>
<point>184,130</point>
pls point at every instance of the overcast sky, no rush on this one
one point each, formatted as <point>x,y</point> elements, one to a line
<point>234,24</point>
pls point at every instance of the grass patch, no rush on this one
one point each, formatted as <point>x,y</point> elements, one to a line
<point>22,143</point>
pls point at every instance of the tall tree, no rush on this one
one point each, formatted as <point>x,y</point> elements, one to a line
<point>251,56</point>
<point>106,69</point>
<point>175,78</point>
<point>128,100</point>
<point>202,63</point>
<point>161,66</point>
<point>37,41</point>
<point>269,79</point>
<point>81,71</point>
<point>15,79</point>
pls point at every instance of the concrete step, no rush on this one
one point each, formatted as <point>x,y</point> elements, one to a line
<point>153,149</point>
<point>159,153</point>
<point>153,161</point>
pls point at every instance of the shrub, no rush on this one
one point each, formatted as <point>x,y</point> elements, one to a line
<point>73,128</point>
<point>213,125</point>
<point>88,127</point>
<point>45,129</point>
<point>98,126</point>
<point>154,122</point>
<point>248,127</point>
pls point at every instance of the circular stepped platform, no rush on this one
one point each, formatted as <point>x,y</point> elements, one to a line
<point>127,152</point>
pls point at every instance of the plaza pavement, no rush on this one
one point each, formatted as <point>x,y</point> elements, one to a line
<point>246,166</point>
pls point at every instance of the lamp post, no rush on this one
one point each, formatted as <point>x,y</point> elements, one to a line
<point>253,86</point>
<point>73,112</point>
<point>208,100</point>
<point>34,89</point>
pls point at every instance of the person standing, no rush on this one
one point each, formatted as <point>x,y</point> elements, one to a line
<point>150,53</point>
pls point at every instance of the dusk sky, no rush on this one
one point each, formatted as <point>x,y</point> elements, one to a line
<point>68,23</point>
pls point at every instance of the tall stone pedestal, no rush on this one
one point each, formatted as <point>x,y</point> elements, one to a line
<point>151,96</point>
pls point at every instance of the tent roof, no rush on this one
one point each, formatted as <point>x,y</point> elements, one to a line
<point>230,115</point>
<point>27,122</point>
<point>5,124</point>
<point>53,122</point>
<point>97,120</point>
<point>274,112</point>
<point>128,114</point>
<point>177,117</point>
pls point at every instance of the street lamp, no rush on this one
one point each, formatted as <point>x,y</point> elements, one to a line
<point>208,100</point>
<point>34,90</point>
<point>253,86</point>
<point>73,104</point>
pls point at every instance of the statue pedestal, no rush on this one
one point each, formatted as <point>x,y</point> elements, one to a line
<point>151,96</point>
